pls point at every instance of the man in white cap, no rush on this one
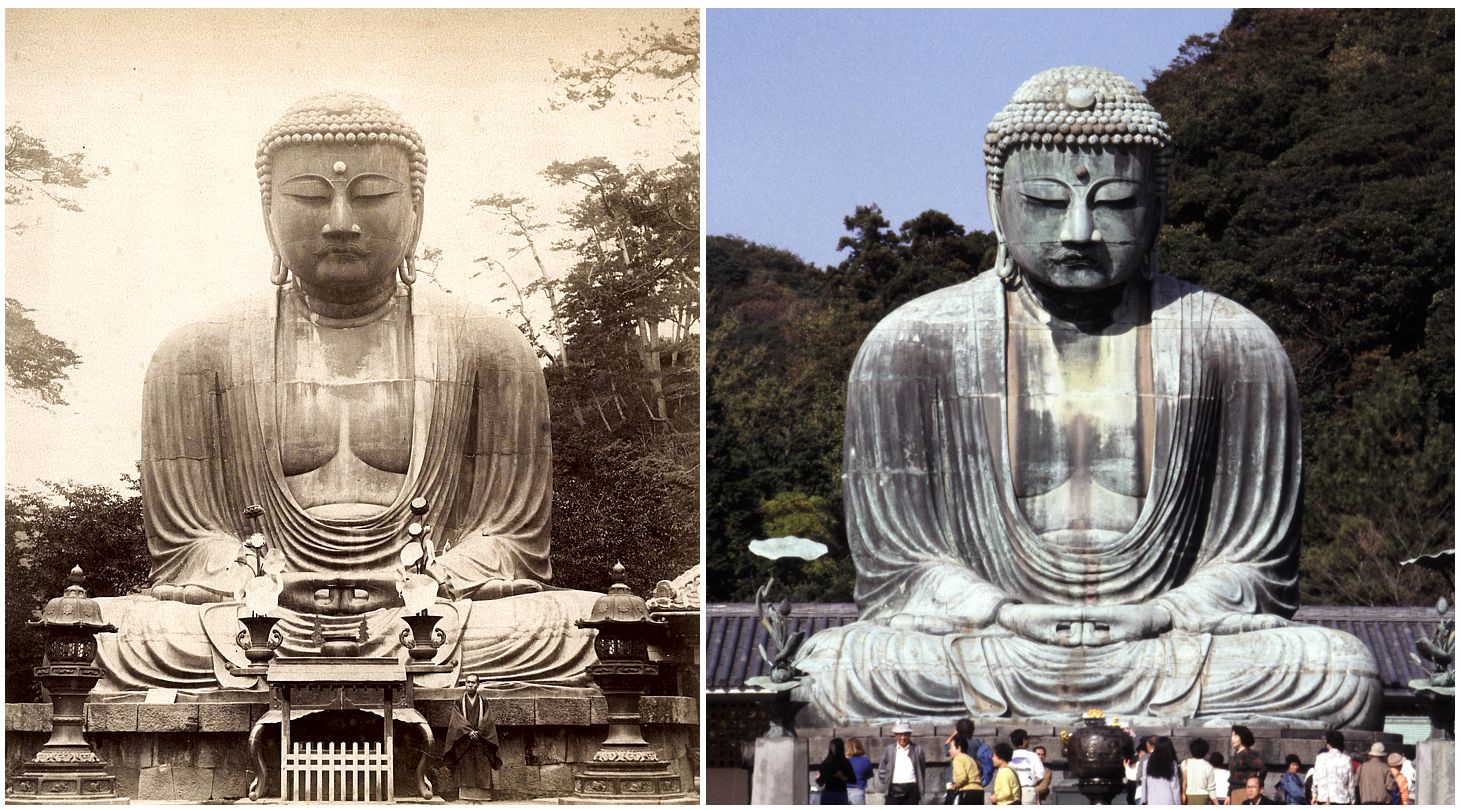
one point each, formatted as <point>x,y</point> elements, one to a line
<point>901,768</point>
<point>1374,778</point>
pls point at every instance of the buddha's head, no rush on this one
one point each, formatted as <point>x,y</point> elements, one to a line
<point>1077,173</point>
<point>342,179</point>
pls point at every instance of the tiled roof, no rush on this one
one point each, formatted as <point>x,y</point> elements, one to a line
<point>733,634</point>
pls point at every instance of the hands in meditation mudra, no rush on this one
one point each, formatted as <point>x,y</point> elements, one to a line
<point>333,403</point>
<point>1073,482</point>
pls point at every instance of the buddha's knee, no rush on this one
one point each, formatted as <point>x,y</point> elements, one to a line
<point>187,594</point>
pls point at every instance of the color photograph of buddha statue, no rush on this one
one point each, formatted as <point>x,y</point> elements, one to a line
<point>1073,480</point>
<point>1141,412</point>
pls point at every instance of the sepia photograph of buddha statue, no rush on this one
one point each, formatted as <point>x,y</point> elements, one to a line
<point>316,491</point>
<point>1076,378</point>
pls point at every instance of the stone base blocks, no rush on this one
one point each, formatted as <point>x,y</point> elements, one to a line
<point>198,752</point>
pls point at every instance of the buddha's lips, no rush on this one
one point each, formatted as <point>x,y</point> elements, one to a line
<point>347,250</point>
<point>1074,259</point>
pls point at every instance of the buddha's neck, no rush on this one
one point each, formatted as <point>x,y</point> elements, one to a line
<point>1087,310</point>
<point>339,305</point>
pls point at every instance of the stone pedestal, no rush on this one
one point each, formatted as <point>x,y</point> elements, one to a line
<point>780,772</point>
<point>197,752</point>
<point>1435,773</point>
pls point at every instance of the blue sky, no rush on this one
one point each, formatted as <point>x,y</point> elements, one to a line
<point>811,113</point>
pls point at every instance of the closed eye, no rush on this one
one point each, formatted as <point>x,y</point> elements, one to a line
<point>307,188</point>
<point>1117,192</point>
<point>1045,192</point>
<point>371,186</point>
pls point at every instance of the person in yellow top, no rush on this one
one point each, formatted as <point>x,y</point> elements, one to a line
<point>1006,783</point>
<point>967,786</point>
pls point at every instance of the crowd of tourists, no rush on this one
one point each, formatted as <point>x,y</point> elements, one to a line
<point>1010,772</point>
<point>1014,772</point>
<point>1206,778</point>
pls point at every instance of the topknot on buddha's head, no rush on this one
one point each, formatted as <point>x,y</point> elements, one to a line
<point>343,118</point>
<point>1076,107</point>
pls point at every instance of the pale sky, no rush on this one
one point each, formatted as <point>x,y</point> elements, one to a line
<point>813,112</point>
<point>174,103</point>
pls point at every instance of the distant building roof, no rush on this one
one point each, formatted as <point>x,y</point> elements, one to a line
<point>733,633</point>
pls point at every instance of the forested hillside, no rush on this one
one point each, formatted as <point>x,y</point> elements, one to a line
<point>1313,183</point>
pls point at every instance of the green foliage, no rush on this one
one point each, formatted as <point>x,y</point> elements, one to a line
<point>34,361</point>
<point>1314,183</point>
<point>46,533</point>
<point>829,577</point>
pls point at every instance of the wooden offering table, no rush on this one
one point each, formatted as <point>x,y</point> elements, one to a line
<point>325,771</point>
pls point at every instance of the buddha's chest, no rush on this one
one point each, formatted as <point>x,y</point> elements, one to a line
<point>1080,420</point>
<point>344,396</point>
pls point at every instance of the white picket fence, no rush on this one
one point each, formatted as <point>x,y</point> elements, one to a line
<point>337,772</point>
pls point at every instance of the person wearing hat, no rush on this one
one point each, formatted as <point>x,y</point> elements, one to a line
<point>1399,785</point>
<point>1374,780</point>
<point>901,768</point>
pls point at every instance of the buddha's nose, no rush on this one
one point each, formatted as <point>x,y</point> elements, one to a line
<point>1079,226</point>
<point>341,222</point>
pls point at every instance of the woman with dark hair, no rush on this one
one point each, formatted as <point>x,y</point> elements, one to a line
<point>965,787</point>
<point>1199,785</point>
<point>834,773</point>
<point>1160,783</point>
<point>1245,763</point>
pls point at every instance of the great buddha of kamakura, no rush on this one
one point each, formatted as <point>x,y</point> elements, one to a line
<point>1073,482</point>
<point>333,402</point>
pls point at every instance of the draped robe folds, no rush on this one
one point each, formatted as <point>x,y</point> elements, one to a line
<point>480,455</point>
<point>940,543</point>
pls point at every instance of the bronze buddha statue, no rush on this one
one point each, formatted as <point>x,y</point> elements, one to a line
<point>334,402</point>
<point>1074,482</point>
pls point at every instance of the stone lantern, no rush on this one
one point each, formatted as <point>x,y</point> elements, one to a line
<point>67,770</point>
<point>625,769</point>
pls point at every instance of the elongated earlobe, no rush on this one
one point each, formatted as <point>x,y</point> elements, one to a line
<point>1004,266</point>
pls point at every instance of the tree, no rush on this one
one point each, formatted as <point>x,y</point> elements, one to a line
<point>516,214</point>
<point>32,168</point>
<point>1314,183</point>
<point>34,361</point>
<point>635,277</point>
<point>668,59</point>
<point>626,413</point>
<point>48,531</point>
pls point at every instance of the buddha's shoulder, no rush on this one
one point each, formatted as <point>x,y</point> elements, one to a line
<point>1219,316</point>
<point>210,334</point>
<point>950,307</point>
<point>462,316</point>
